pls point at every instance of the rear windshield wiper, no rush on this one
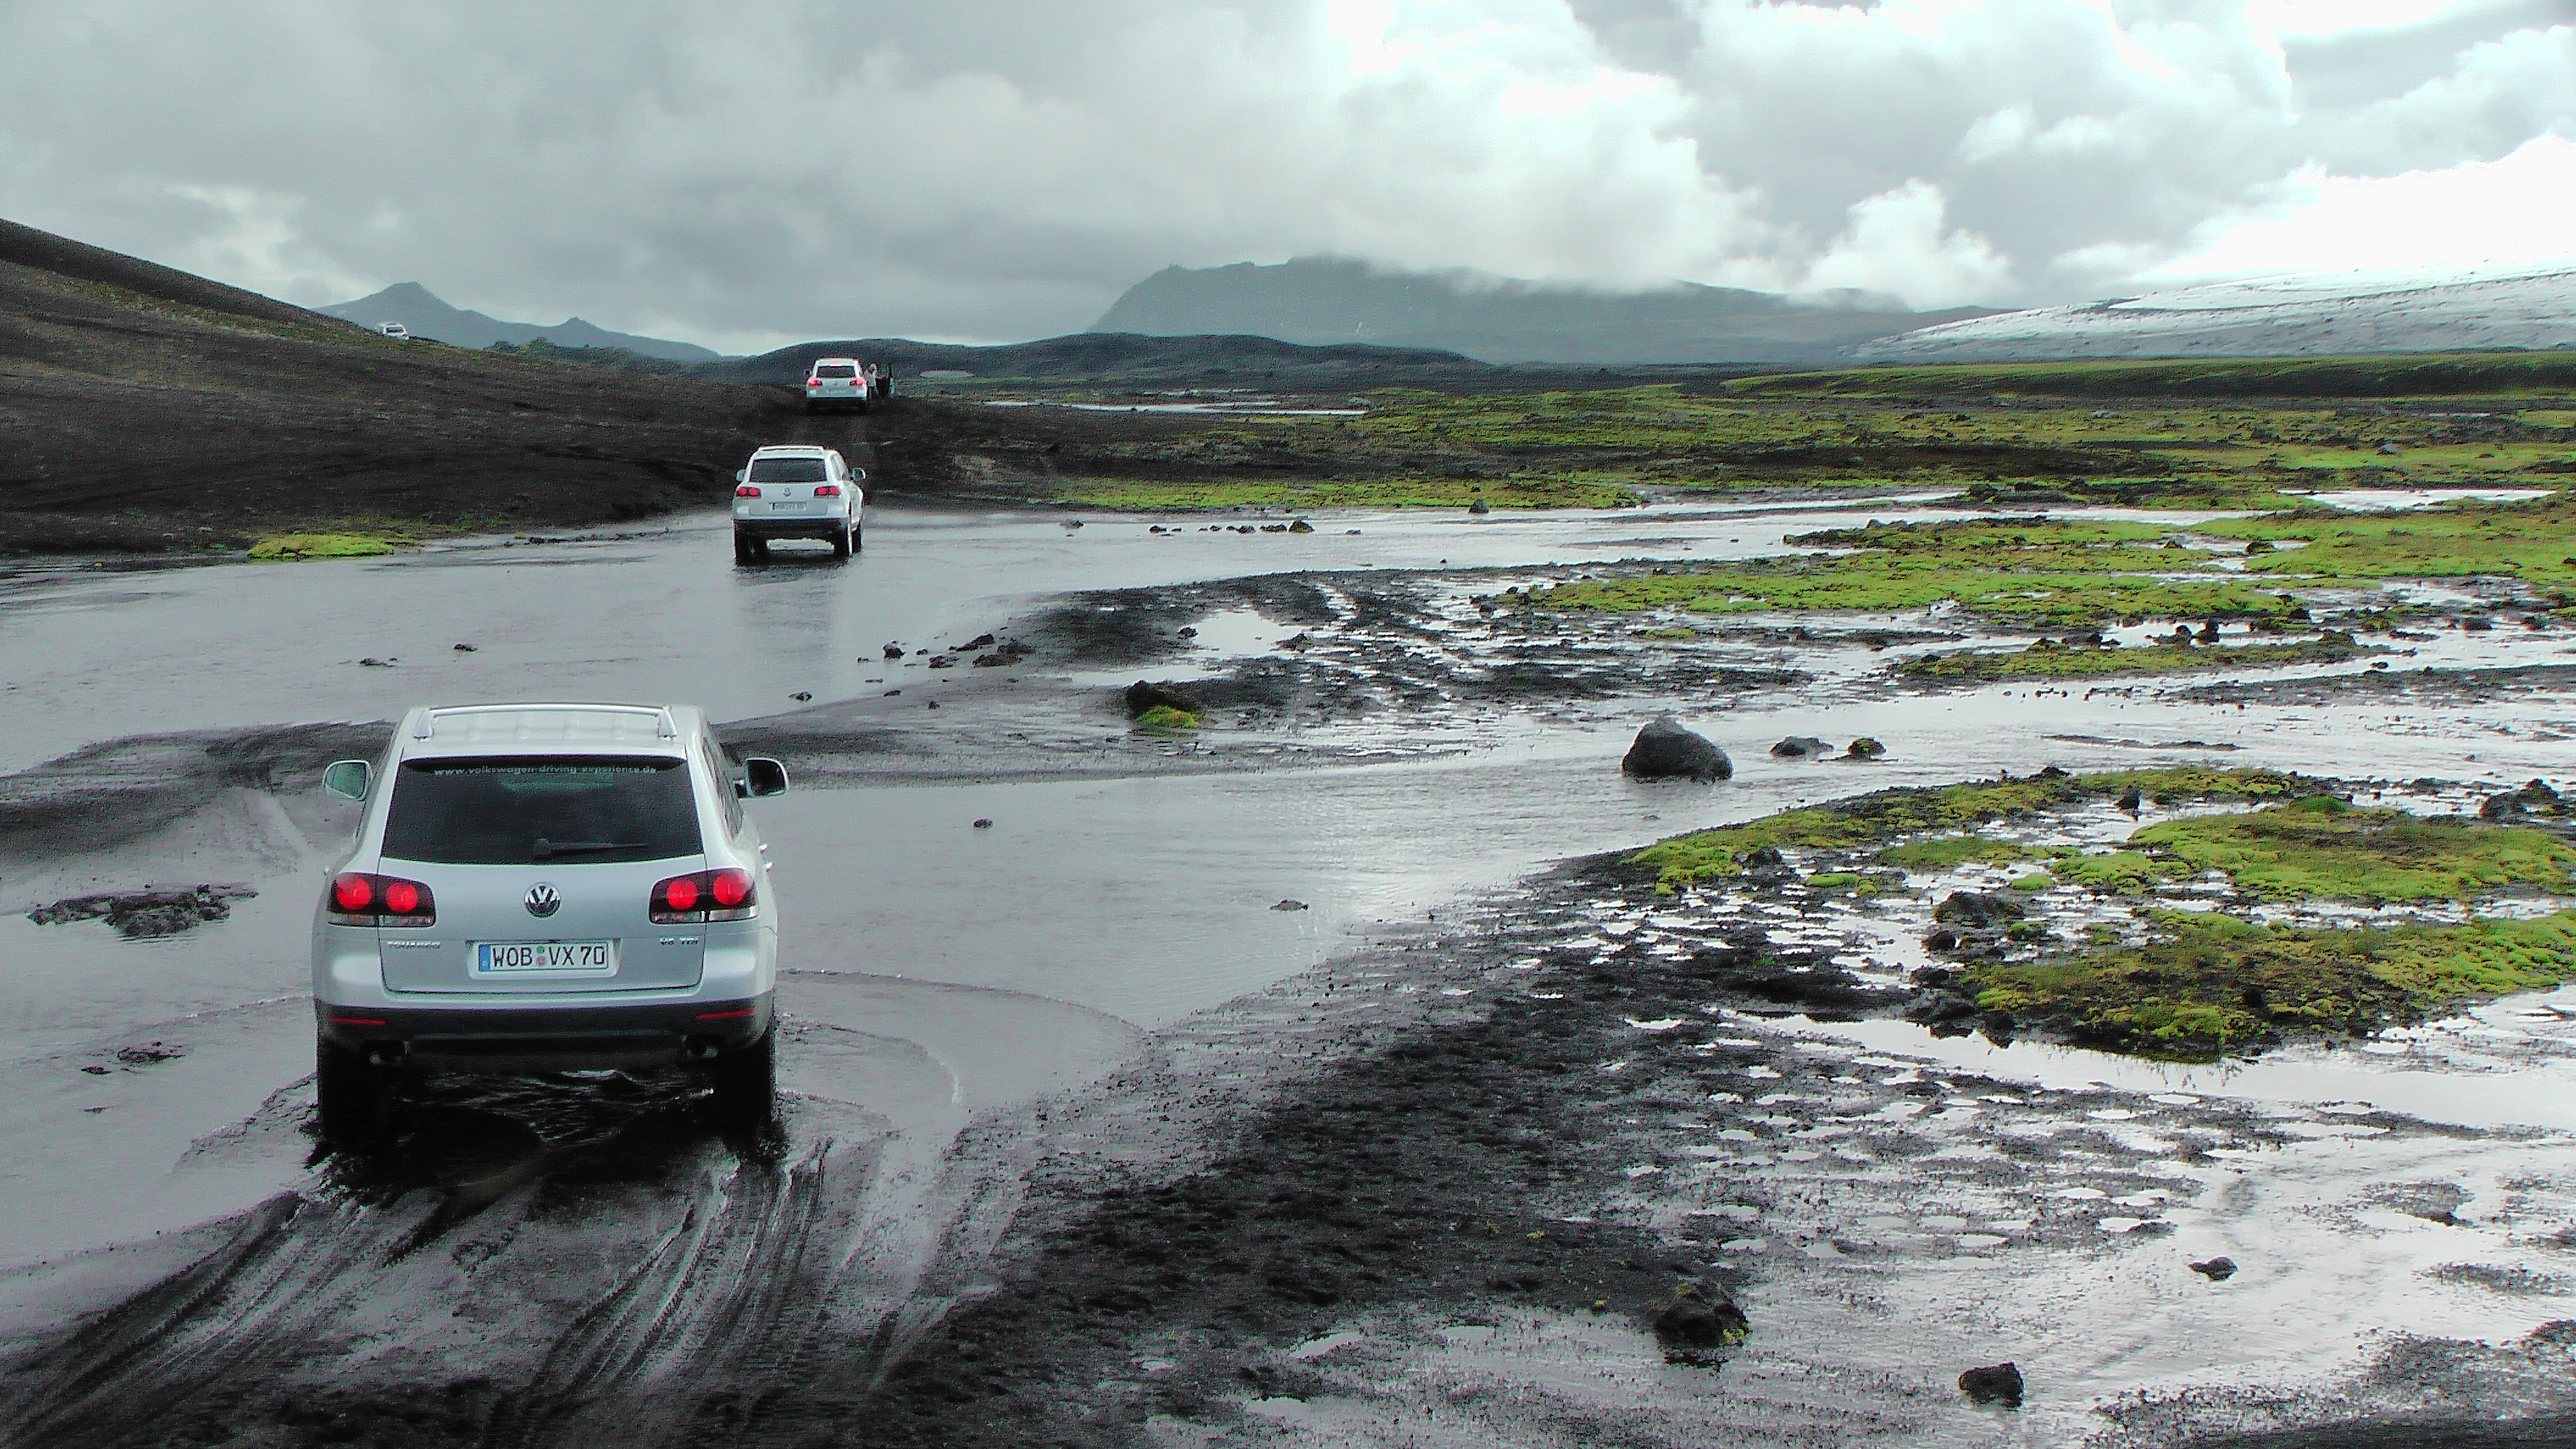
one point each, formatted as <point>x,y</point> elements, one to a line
<point>545,849</point>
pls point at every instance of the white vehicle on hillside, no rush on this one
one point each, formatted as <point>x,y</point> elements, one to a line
<point>394,330</point>
<point>539,887</point>
<point>841,382</point>
<point>797,490</point>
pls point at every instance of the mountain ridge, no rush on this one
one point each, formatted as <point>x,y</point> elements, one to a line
<point>425,314</point>
<point>1494,319</point>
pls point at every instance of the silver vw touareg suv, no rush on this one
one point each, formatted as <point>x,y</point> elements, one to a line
<point>546,886</point>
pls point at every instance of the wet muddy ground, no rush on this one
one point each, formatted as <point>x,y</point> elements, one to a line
<point>1093,1134</point>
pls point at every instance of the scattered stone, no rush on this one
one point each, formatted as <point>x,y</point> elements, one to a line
<point>1864,748</point>
<point>983,824</point>
<point>1994,1384</point>
<point>2130,799</point>
<point>463,648</point>
<point>372,663</point>
<point>802,695</point>
<point>1287,903</point>
<point>1932,1007</point>
<point>1480,507</point>
<point>1301,526</point>
<point>1799,747</point>
<point>2259,545</point>
<point>2536,798</point>
<point>1143,696</point>
<point>151,1054</point>
<point>980,641</point>
<point>934,704</point>
<point>1009,651</point>
<point>137,915</point>
<point>1296,642</point>
<point>1696,1319</point>
<point>1274,528</point>
<point>891,693</point>
<point>1977,910</point>
<point>944,662</point>
<point>1188,632</point>
<point>2216,1270</point>
<point>894,651</point>
<point>2477,624</point>
<point>1663,750</point>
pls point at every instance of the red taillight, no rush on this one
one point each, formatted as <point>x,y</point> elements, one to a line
<point>746,491</point>
<point>360,899</point>
<point>708,895</point>
<point>827,490</point>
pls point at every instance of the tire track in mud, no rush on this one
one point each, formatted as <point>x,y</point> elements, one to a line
<point>764,1297</point>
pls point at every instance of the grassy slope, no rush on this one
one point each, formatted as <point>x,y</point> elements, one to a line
<point>2387,375</point>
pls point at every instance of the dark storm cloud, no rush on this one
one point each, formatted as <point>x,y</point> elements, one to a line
<point>754,172</point>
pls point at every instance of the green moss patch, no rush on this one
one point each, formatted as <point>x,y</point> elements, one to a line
<point>1164,718</point>
<point>288,547</point>
<point>2203,984</point>
<point>1887,815</point>
<point>1949,852</point>
<point>2323,846</point>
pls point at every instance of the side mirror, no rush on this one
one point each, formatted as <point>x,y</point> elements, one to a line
<point>348,779</point>
<point>742,475</point>
<point>764,777</point>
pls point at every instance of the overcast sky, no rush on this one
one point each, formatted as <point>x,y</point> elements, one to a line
<point>749,174</point>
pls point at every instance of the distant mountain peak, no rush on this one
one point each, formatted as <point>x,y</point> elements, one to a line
<point>1323,299</point>
<point>425,314</point>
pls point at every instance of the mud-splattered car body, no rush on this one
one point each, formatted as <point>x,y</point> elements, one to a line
<point>543,886</point>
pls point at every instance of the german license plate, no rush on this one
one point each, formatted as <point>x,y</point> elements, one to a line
<point>495,957</point>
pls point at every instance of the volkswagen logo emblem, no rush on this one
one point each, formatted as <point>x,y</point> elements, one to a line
<point>542,900</point>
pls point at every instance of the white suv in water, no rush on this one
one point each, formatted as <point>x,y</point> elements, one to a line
<point>797,490</point>
<point>546,886</point>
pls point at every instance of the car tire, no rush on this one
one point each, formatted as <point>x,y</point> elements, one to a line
<point>351,1096</point>
<point>745,1084</point>
<point>743,549</point>
<point>858,537</point>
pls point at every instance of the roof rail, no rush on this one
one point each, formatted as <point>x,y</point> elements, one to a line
<point>665,726</point>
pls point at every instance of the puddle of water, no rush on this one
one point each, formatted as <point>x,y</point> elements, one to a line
<point>2401,499</point>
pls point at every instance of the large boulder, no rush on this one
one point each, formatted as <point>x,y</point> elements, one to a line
<point>1665,751</point>
<point>1977,911</point>
<point>1143,696</point>
<point>1799,747</point>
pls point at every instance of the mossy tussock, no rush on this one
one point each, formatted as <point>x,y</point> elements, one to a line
<point>292,547</point>
<point>2048,659</point>
<point>2199,983</point>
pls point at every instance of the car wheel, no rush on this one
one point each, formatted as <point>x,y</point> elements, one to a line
<point>858,537</point>
<point>746,1084</point>
<point>841,544</point>
<point>741,549</point>
<point>351,1095</point>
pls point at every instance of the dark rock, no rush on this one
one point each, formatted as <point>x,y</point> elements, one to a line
<point>1993,1384</point>
<point>1274,528</point>
<point>1301,526</point>
<point>944,662</point>
<point>463,648</point>
<point>802,695</point>
<point>1143,696</point>
<point>2478,624</point>
<point>2260,545</point>
<point>1977,911</point>
<point>2536,798</point>
<point>377,663</point>
<point>1288,904</point>
<point>2052,772</point>
<point>1864,748</point>
<point>1696,1319</point>
<point>1009,651</point>
<point>1932,1006</point>
<point>980,641</point>
<point>138,915</point>
<point>894,651</point>
<point>1799,747</point>
<point>2130,799</point>
<point>1663,750</point>
<point>2216,1270</point>
<point>891,693</point>
<point>1188,633</point>
<point>151,1054</point>
<point>934,704</point>
<point>1480,507</point>
<point>983,824</point>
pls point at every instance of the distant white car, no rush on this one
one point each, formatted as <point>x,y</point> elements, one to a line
<point>394,330</point>
<point>797,490</point>
<point>842,382</point>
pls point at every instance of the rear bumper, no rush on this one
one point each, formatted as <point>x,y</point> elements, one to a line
<point>467,1038</point>
<point>825,528</point>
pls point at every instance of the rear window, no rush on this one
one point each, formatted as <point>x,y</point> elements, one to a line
<point>836,369</point>
<point>539,811</point>
<point>786,470</point>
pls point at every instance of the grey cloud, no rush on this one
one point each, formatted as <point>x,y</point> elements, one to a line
<point>760,171</point>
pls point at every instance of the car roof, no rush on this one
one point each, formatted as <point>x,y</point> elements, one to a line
<point>547,727</point>
<point>775,449</point>
<point>818,362</point>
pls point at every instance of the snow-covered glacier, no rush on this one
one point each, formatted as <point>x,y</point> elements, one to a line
<point>2300,315</point>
